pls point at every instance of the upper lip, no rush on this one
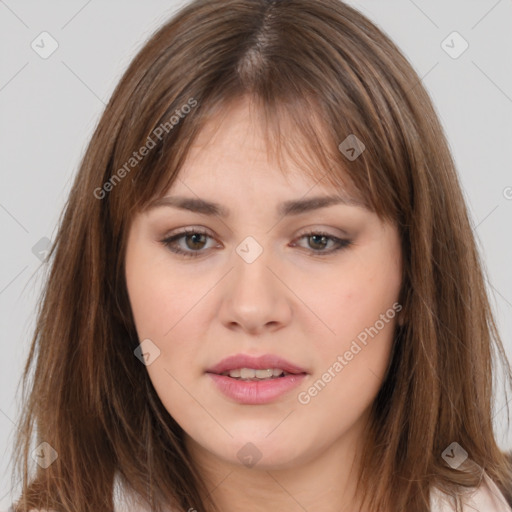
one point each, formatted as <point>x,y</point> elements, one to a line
<point>262,362</point>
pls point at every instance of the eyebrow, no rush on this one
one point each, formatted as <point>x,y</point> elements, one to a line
<point>287,208</point>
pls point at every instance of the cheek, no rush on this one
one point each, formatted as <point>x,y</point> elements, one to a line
<point>158,299</point>
<point>360,310</point>
<point>165,304</point>
<point>353,302</point>
<point>352,365</point>
<point>150,302</point>
<point>160,306</point>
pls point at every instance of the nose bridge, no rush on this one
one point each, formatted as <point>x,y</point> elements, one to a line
<point>254,297</point>
<point>252,275</point>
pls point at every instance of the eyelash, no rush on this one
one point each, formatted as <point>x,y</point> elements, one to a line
<point>170,241</point>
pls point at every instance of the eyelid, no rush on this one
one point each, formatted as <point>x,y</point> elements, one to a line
<point>308,230</point>
<point>189,231</point>
<point>315,229</point>
<point>340,243</point>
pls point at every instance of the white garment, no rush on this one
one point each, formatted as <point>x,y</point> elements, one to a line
<point>486,498</point>
<point>126,499</point>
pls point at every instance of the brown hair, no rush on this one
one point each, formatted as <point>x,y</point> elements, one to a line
<point>315,64</point>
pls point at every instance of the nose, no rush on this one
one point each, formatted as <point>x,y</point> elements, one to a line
<point>255,297</point>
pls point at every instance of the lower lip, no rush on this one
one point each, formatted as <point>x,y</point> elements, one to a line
<point>254,392</point>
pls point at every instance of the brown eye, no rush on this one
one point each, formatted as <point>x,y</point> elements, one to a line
<point>318,242</point>
<point>195,241</point>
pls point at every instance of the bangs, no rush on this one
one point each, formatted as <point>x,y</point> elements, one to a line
<point>338,114</point>
<point>293,130</point>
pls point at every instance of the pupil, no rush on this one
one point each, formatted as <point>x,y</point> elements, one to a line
<point>321,237</point>
<point>319,240</point>
<point>194,239</point>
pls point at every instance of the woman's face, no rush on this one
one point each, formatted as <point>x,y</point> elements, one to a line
<point>259,281</point>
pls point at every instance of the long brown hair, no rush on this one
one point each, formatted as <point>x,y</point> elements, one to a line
<point>322,72</point>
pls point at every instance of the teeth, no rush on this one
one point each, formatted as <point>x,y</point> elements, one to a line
<point>251,373</point>
<point>247,373</point>
<point>262,374</point>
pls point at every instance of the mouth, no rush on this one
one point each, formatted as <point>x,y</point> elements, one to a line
<point>264,367</point>
<point>255,380</point>
<point>252,374</point>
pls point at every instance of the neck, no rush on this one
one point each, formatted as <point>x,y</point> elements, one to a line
<point>324,481</point>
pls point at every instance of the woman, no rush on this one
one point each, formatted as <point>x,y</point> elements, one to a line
<point>265,287</point>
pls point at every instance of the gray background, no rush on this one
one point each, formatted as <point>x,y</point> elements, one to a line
<point>49,108</point>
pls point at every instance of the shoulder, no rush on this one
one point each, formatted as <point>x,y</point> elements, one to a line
<point>126,499</point>
<point>12,509</point>
<point>486,498</point>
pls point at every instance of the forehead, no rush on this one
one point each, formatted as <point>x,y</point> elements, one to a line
<point>232,138</point>
<point>237,144</point>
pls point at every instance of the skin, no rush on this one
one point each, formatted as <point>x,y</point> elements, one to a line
<point>302,306</point>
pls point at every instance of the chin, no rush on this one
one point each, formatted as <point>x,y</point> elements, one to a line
<point>259,452</point>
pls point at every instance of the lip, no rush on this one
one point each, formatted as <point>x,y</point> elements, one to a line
<point>262,362</point>
<point>254,392</point>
